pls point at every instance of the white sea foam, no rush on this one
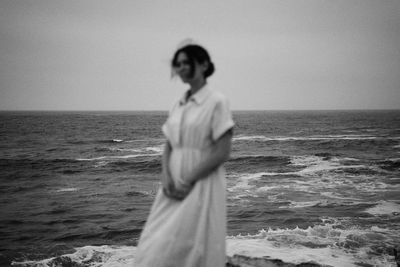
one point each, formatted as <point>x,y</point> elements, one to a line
<point>379,229</point>
<point>323,203</point>
<point>118,157</point>
<point>305,160</point>
<point>306,138</point>
<point>287,184</point>
<point>249,138</point>
<point>157,149</point>
<point>150,151</point>
<point>351,159</point>
<point>125,149</point>
<point>101,164</point>
<point>312,164</point>
<point>304,204</point>
<point>294,254</point>
<point>95,256</point>
<point>317,164</point>
<point>145,140</point>
<point>242,182</point>
<point>343,137</point>
<point>332,189</point>
<point>385,208</point>
<point>326,166</point>
<point>116,140</point>
<point>324,244</point>
<point>358,183</point>
<point>69,189</point>
<point>371,186</point>
<point>315,169</point>
<point>267,188</point>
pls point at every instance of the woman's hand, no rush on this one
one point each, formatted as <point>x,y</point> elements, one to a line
<point>182,191</point>
<point>167,182</point>
<point>179,193</point>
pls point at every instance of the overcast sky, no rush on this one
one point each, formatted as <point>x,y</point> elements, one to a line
<point>269,54</point>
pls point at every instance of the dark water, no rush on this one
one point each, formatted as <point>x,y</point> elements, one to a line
<point>313,183</point>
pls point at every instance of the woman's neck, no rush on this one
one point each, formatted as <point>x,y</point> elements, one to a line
<point>196,86</point>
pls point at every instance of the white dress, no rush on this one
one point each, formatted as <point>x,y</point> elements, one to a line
<point>191,232</point>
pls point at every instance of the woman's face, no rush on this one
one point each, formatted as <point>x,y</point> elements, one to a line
<point>184,70</point>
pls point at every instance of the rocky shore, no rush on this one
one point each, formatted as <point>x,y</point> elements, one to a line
<point>245,261</point>
<point>99,258</point>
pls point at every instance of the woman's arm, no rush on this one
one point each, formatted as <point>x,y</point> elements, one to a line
<point>165,156</point>
<point>166,180</point>
<point>218,155</point>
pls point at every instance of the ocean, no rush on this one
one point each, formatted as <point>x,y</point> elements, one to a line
<point>321,186</point>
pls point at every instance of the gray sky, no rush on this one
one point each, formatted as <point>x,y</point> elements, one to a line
<point>280,54</point>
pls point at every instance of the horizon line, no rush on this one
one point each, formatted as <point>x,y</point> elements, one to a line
<point>160,110</point>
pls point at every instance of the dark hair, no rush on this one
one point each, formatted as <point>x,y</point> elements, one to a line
<point>195,53</point>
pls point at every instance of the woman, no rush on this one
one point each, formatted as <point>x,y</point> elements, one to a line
<point>187,223</point>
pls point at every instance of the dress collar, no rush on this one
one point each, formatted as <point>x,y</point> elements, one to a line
<point>199,97</point>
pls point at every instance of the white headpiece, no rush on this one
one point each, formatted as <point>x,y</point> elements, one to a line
<point>185,42</point>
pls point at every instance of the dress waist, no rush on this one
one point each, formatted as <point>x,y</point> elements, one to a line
<point>190,149</point>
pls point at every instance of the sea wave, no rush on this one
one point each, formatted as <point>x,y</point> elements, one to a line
<point>43,166</point>
<point>4,162</point>
<point>112,141</point>
<point>243,182</point>
<point>258,157</point>
<point>334,179</point>
<point>327,244</point>
<point>391,164</point>
<point>150,151</point>
<point>118,157</point>
<point>95,141</point>
<point>317,164</point>
<point>104,256</point>
<point>304,204</point>
<point>326,202</point>
<point>263,138</point>
<point>311,164</point>
<point>157,149</point>
<point>242,163</point>
<point>152,165</point>
<point>333,195</point>
<point>67,189</point>
<point>385,208</point>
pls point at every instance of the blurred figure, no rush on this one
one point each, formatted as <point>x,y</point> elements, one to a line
<point>187,223</point>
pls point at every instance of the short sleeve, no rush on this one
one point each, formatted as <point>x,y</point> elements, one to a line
<point>164,129</point>
<point>221,119</point>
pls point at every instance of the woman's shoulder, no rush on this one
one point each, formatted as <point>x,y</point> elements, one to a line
<point>217,96</point>
<point>219,99</point>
